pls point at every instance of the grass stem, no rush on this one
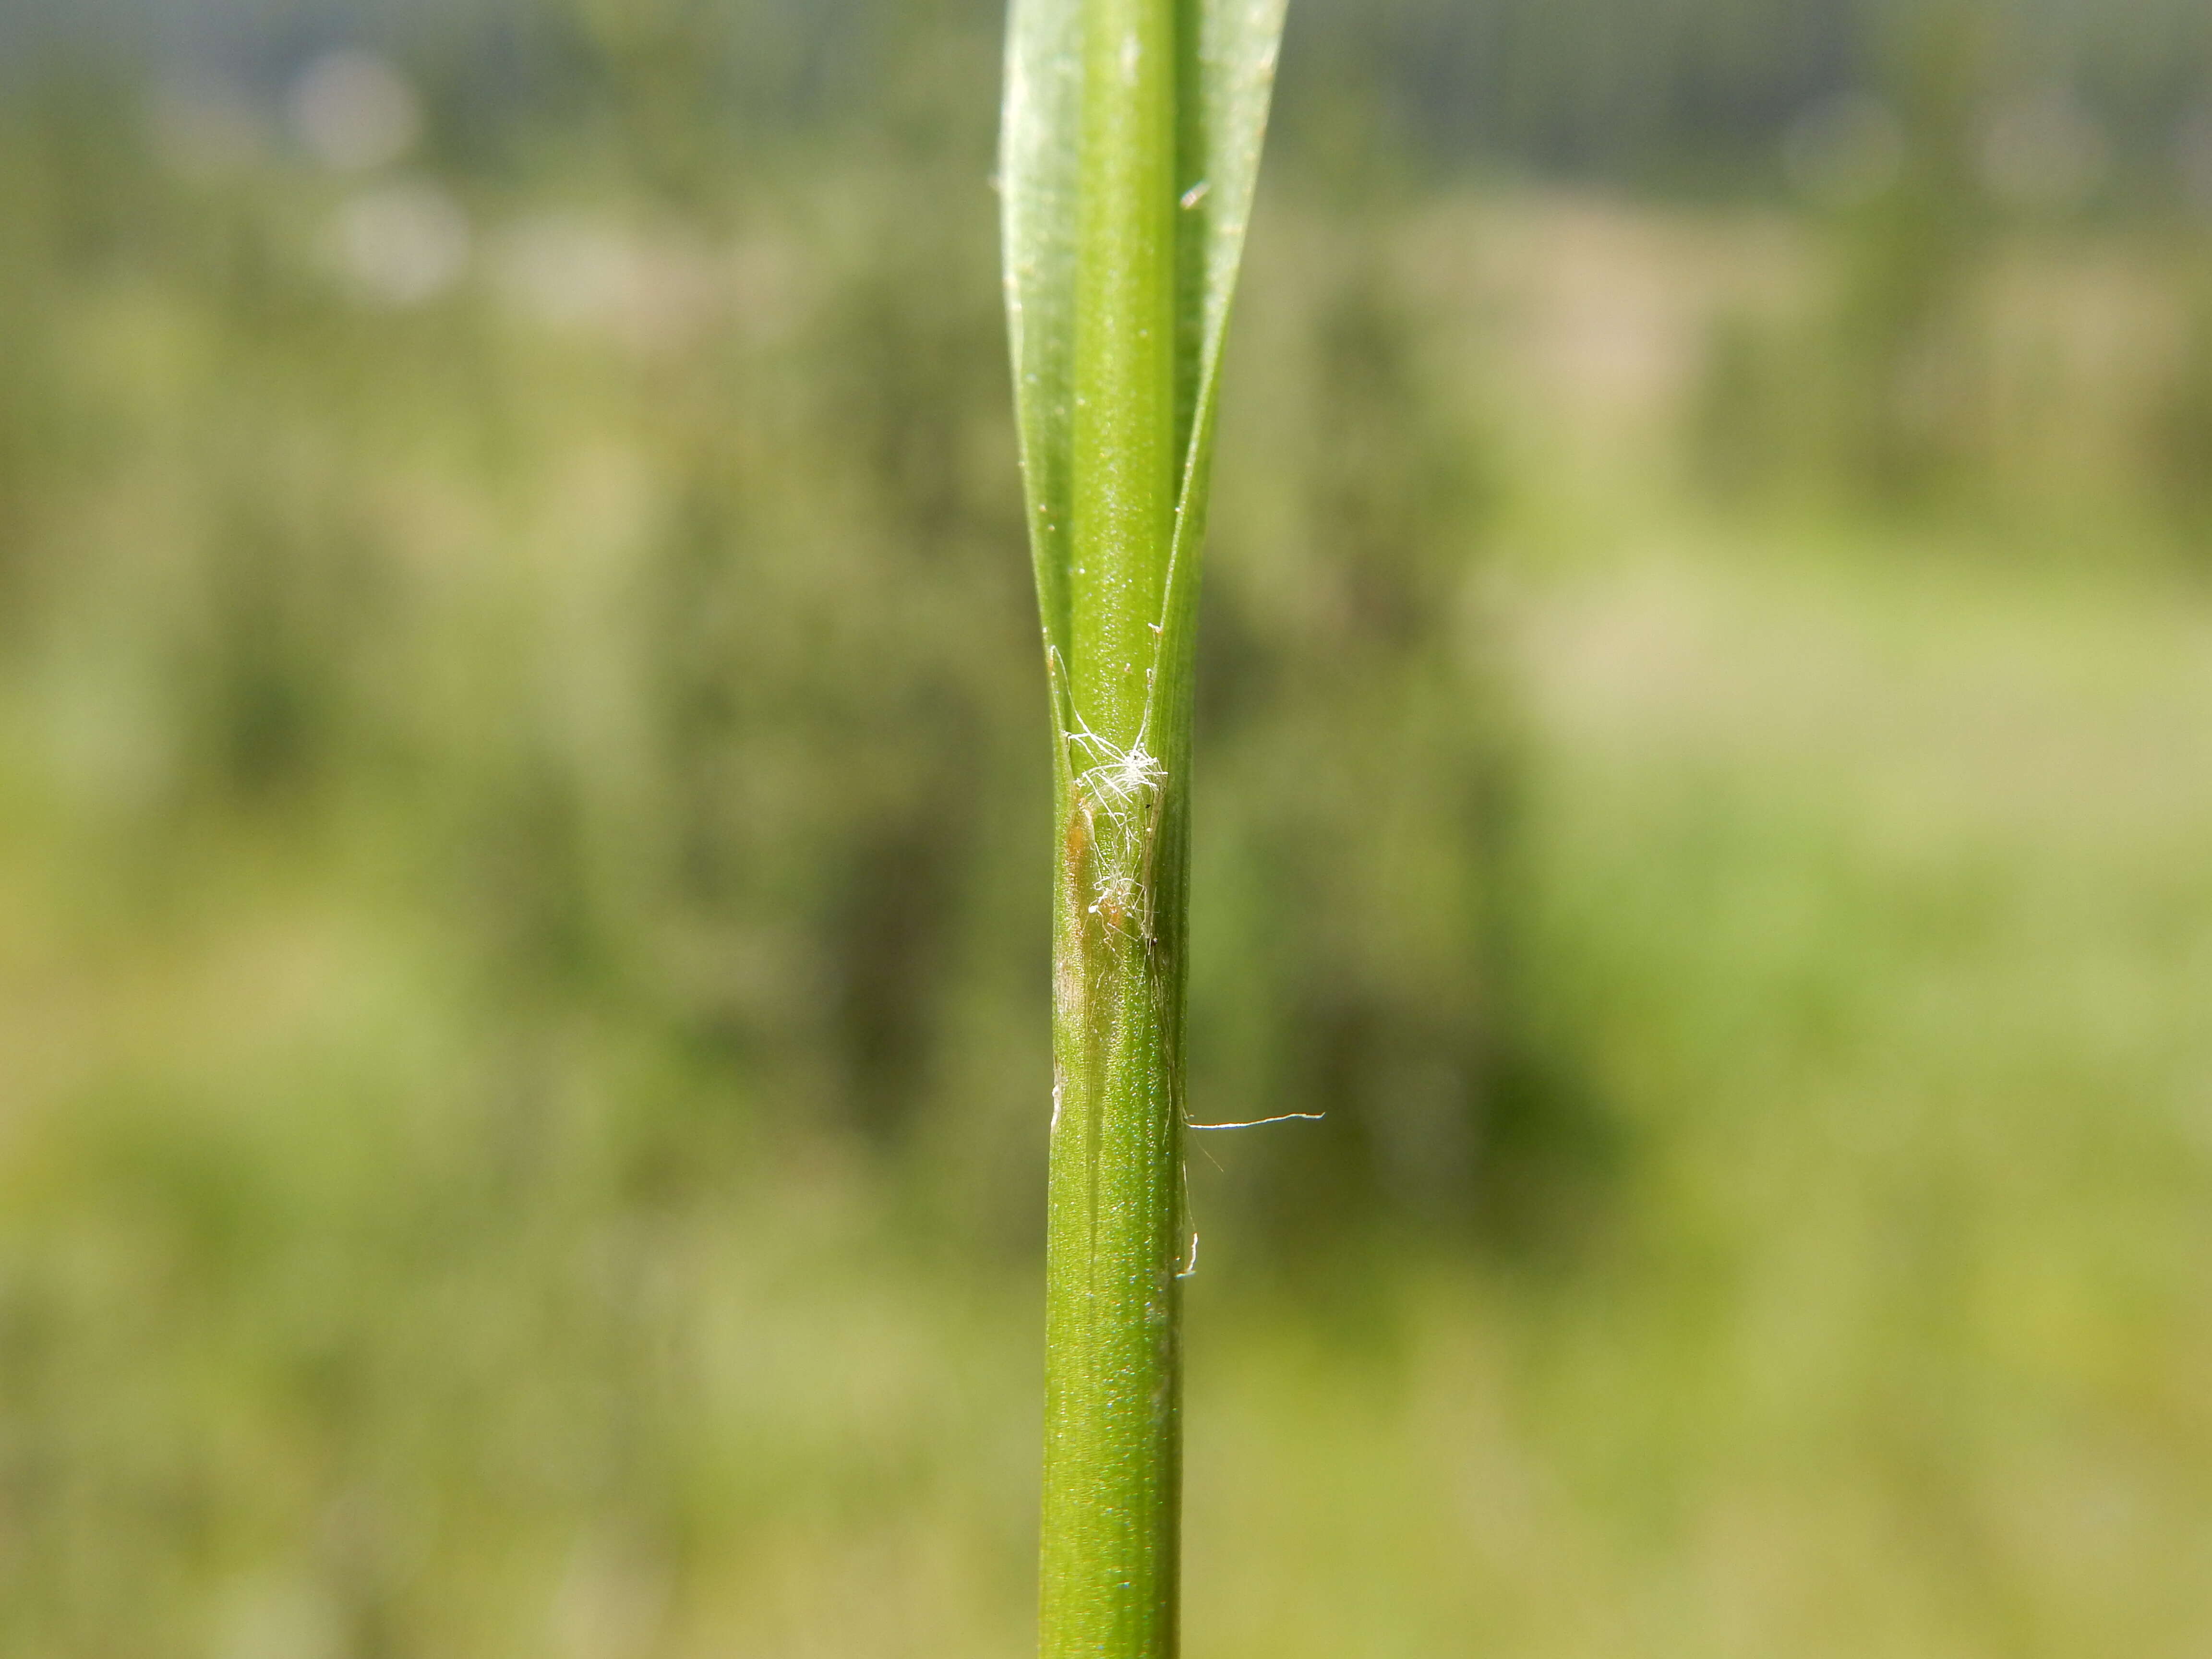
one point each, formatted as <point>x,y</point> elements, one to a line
<point>1113,1441</point>
<point>1132,138</point>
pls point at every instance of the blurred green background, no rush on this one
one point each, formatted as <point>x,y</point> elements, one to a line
<point>523,855</point>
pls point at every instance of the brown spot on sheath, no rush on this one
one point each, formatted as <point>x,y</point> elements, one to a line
<point>1068,986</point>
<point>1077,839</point>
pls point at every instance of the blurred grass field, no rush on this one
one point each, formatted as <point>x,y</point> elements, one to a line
<point>521,918</point>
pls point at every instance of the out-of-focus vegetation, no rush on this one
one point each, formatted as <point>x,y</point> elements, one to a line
<point>516,661</point>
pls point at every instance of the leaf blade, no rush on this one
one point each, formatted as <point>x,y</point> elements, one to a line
<point>1227,52</point>
<point>1039,158</point>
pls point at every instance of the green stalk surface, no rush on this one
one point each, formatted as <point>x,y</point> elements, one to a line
<point>1132,140</point>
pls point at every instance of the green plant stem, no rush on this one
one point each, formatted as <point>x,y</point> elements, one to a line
<point>1113,1438</point>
